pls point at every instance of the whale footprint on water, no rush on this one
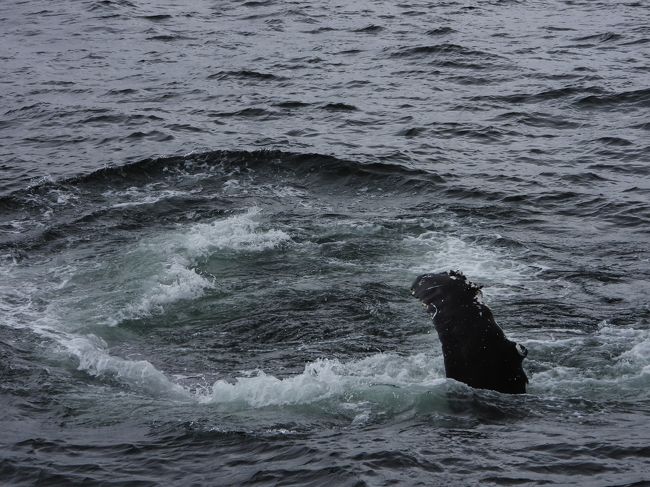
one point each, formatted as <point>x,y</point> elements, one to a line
<point>476,350</point>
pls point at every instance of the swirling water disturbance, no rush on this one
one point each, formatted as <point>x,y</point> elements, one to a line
<point>211,214</point>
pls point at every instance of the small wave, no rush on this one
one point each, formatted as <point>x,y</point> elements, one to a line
<point>339,107</point>
<point>246,74</point>
<point>439,252</point>
<point>539,120</point>
<point>94,359</point>
<point>247,113</point>
<point>485,134</point>
<point>255,3</point>
<point>156,17</point>
<point>554,94</point>
<point>238,232</point>
<point>316,168</point>
<point>120,118</point>
<point>177,282</point>
<point>156,135</point>
<point>184,127</point>
<point>636,42</point>
<point>612,360</point>
<point>19,309</point>
<point>440,31</point>
<point>440,49</point>
<point>381,384</point>
<point>604,37</point>
<point>412,132</point>
<point>292,104</point>
<point>320,30</point>
<point>158,272</point>
<point>370,29</point>
<point>178,278</point>
<point>326,378</point>
<point>614,141</point>
<point>155,273</point>
<point>147,195</point>
<point>635,98</point>
<point>167,37</point>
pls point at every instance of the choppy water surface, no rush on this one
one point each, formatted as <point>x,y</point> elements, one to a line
<point>211,214</point>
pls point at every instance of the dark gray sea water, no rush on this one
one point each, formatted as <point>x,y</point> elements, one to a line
<point>211,213</point>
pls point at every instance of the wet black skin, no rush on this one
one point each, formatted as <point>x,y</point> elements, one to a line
<point>475,349</point>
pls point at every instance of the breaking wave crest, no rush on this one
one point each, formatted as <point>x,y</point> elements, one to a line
<point>438,252</point>
<point>181,253</point>
<point>178,281</point>
<point>155,273</point>
<point>614,358</point>
<point>238,232</point>
<point>93,357</point>
<point>326,378</point>
<point>385,380</point>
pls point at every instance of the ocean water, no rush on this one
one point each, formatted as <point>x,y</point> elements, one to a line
<point>211,213</point>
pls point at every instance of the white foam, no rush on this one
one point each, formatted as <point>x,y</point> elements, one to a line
<point>94,359</point>
<point>146,195</point>
<point>63,197</point>
<point>245,184</point>
<point>20,308</point>
<point>284,191</point>
<point>351,226</point>
<point>179,252</point>
<point>16,304</point>
<point>636,360</point>
<point>154,273</point>
<point>357,385</point>
<point>51,200</point>
<point>67,303</point>
<point>639,353</point>
<point>612,360</point>
<point>326,378</point>
<point>238,232</point>
<point>177,282</point>
<point>439,252</point>
<point>232,185</point>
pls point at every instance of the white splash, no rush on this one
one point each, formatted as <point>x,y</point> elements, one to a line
<point>94,359</point>
<point>614,359</point>
<point>75,296</point>
<point>439,252</point>
<point>146,195</point>
<point>177,282</point>
<point>238,232</point>
<point>175,260</point>
<point>327,378</point>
